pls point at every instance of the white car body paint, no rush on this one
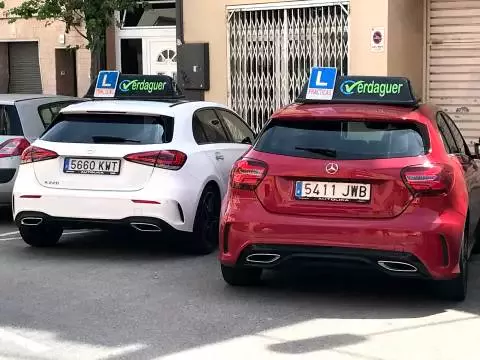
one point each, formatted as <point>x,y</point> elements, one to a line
<point>104,197</point>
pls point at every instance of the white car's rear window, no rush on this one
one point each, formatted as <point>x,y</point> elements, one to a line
<point>110,129</point>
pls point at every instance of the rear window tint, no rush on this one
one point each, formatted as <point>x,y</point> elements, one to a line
<point>344,140</point>
<point>110,129</point>
<point>9,121</point>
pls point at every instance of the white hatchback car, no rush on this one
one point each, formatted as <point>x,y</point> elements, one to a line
<point>151,166</point>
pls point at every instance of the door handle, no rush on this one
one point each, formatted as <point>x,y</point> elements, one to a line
<point>219,156</point>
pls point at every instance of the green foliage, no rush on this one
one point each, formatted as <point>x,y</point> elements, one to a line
<point>96,15</point>
<point>2,5</point>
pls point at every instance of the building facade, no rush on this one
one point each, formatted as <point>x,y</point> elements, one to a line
<point>261,50</point>
<point>36,58</point>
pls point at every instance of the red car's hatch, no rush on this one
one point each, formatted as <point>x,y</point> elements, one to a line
<point>349,167</point>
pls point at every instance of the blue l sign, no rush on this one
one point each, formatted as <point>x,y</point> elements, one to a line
<point>322,83</point>
<point>106,83</point>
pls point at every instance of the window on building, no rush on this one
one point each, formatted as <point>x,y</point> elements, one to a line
<point>150,13</point>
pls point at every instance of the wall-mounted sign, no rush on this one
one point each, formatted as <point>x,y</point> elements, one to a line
<point>378,39</point>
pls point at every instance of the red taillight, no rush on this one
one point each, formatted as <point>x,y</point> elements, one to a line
<point>13,147</point>
<point>247,174</point>
<point>35,154</point>
<point>428,179</point>
<point>165,159</point>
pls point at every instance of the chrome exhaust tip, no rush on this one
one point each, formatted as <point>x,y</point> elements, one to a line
<point>262,258</point>
<point>31,221</point>
<point>145,227</point>
<point>398,266</point>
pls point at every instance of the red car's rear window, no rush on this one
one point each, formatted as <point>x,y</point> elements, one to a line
<point>344,139</point>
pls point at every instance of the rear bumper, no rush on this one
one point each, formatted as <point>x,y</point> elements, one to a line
<point>132,223</point>
<point>88,209</point>
<point>394,263</point>
<point>428,240</point>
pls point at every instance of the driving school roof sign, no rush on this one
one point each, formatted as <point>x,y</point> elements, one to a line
<point>113,85</point>
<point>321,84</point>
<point>357,89</point>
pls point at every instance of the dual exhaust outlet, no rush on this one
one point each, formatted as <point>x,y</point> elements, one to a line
<point>31,221</point>
<point>145,227</point>
<point>392,266</point>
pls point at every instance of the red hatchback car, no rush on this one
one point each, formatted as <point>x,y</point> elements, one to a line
<point>362,180</point>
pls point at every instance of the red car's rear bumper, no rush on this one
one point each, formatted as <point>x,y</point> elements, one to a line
<point>425,239</point>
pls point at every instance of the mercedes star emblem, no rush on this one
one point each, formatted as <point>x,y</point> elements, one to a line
<point>331,168</point>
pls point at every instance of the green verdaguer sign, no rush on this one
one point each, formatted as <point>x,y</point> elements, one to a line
<point>360,87</point>
<point>142,86</point>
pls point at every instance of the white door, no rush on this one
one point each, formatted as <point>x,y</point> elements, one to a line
<point>161,57</point>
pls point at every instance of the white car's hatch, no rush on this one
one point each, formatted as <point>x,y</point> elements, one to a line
<point>102,152</point>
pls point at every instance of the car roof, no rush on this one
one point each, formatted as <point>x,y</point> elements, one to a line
<point>351,111</point>
<point>137,107</point>
<point>11,99</point>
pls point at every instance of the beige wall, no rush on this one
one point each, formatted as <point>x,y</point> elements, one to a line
<point>205,21</point>
<point>406,41</point>
<point>365,15</point>
<point>403,21</point>
<point>48,40</point>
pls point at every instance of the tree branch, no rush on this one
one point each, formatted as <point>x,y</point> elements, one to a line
<point>79,32</point>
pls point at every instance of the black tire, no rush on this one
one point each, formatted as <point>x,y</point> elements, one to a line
<point>476,246</point>
<point>456,289</point>
<point>41,236</point>
<point>236,276</point>
<point>204,239</point>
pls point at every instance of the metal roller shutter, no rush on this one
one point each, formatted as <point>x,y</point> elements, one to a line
<point>453,70</point>
<point>24,68</point>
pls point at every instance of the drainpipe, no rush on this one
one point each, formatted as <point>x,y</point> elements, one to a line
<point>179,16</point>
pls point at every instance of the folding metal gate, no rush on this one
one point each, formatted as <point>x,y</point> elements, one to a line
<point>272,48</point>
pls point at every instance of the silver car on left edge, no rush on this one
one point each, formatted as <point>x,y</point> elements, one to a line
<point>23,118</point>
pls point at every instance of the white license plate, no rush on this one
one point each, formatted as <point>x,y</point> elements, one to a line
<point>330,191</point>
<point>91,166</point>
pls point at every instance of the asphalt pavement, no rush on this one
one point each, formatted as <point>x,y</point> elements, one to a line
<point>98,297</point>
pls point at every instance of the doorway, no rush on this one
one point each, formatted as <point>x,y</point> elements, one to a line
<point>146,39</point>
<point>131,56</point>
<point>66,71</point>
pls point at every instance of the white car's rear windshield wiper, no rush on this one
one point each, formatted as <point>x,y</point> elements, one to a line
<point>112,139</point>
<point>321,151</point>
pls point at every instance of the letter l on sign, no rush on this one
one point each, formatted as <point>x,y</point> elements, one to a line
<point>104,81</point>
<point>319,81</point>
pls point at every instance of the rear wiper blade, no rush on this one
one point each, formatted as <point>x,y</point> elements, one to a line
<point>112,139</point>
<point>322,151</point>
